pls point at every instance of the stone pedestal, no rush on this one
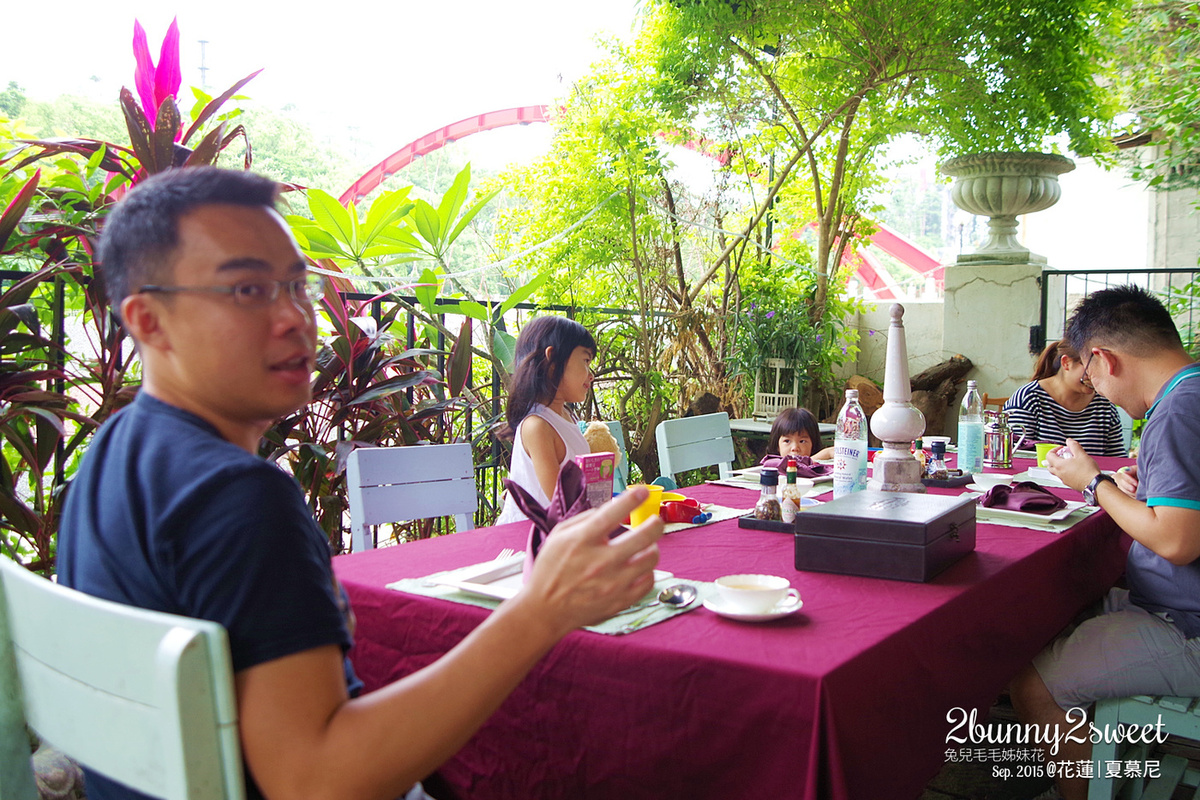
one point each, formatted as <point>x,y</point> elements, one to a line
<point>987,314</point>
<point>993,296</point>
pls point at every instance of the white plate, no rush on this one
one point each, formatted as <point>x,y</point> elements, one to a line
<point>501,579</point>
<point>1007,513</point>
<point>986,480</point>
<point>497,579</point>
<point>789,606</point>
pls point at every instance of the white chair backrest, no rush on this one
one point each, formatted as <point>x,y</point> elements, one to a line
<point>142,697</point>
<point>691,442</point>
<point>393,484</point>
<point>1126,427</point>
<point>621,475</point>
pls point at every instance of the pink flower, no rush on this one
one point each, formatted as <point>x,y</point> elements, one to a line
<point>156,84</point>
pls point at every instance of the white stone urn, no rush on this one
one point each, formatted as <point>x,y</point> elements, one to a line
<point>1002,186</point>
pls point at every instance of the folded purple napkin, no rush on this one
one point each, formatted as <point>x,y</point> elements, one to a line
<point>570,498</point>
<point>1022,496</point>
<point>805,466</point>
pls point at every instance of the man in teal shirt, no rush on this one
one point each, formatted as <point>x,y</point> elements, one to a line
<point>1144,641</point>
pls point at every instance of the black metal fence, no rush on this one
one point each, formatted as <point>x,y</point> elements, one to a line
<point>1063,289</point>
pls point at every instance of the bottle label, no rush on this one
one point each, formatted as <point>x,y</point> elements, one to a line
<point>849,466</point>
<point>788,508</point>
<point>970,447</point>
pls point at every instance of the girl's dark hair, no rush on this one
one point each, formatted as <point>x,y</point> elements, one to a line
<point>535,378</point>
<point>1050,360</point>
<point>792,421</point>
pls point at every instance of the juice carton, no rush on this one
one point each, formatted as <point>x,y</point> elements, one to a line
<point>598,476</point>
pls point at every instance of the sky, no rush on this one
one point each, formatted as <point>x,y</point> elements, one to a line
<point>389,72</point>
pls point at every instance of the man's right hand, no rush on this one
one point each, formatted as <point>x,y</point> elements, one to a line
<point>582,577</point>
<point>304,738</point>
<point>1076,469</point>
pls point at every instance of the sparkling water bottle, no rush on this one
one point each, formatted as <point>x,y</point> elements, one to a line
<point>850,448</point>
<point>970,431</point>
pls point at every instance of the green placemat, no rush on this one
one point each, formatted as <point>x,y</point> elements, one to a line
<point>624,622</point>
<point>719,514</point>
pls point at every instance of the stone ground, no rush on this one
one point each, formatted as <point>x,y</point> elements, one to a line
<point>978,781</point>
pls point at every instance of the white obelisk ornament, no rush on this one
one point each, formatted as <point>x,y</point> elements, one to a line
<point>898,422</point>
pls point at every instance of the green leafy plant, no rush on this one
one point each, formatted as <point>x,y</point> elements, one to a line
<point>369,389</point>
<point>1156,67</point>
<point>61,381</point>
<point>378,382</point>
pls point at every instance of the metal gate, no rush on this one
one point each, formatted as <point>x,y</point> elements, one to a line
<point>1179,289</point>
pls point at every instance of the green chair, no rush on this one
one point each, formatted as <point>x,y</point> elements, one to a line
<point>1180,717</point>
<point>692,442</point>
<point>668,484</point>
<point>142,697</point>
<point>621,475</point>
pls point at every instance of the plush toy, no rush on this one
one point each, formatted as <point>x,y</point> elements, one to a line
<point>600,439</point>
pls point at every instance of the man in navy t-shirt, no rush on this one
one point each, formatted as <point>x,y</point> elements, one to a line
<point>172,510</point>
<point>1145,639</point>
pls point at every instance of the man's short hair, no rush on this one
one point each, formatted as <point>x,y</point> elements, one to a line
<point>1125,317</point>
<point>141,233</point>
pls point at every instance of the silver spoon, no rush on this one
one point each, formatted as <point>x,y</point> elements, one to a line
<point>680,595</point>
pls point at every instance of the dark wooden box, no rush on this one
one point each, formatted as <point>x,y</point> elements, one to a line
<point>909,537</point>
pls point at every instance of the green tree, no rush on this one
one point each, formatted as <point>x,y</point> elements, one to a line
<point>73,116</point>
<point>287,150</point>
<point>1156,57</point>
<point>616,224</point>
<point>822,87</point>
<point>12,100</point>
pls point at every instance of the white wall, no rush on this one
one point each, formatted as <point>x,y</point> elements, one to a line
<point>922,334</point>
<point>1100,222</point>
<point>1175,229</point>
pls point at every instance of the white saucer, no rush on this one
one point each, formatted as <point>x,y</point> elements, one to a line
<point>788,606</point>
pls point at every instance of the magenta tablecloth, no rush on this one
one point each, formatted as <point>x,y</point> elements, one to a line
<point>846,699</point>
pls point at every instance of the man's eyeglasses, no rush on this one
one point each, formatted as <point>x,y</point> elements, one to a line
<point>256,294</point>
<point>1084,380</point>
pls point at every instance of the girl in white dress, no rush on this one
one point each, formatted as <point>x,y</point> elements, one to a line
<point>553,369</point>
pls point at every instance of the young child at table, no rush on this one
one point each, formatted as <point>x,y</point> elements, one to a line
<point>795,433</point>
<point>553,369</point>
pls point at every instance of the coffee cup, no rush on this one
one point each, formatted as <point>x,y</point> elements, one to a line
<point>754,594</point>
<point>649,506</point>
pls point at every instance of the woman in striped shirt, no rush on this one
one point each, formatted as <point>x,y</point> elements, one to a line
<point>1059,403</point>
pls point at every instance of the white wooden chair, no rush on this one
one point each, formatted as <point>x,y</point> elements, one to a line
<point>142,697</point>
<point>393,484</point>
<point>1180,717</point>
<point>768,403</point>
<point>692,442</point>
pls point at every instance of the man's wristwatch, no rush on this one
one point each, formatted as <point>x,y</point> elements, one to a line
<point>1089,491</point>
